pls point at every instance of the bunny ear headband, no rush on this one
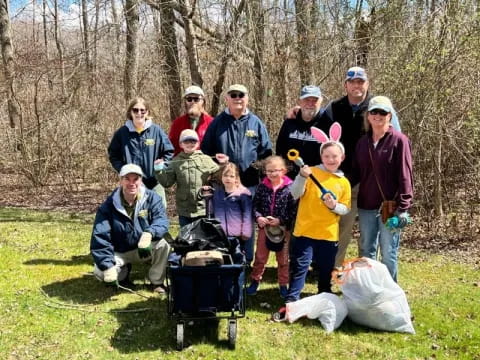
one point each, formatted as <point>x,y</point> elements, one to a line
<point>335,133</point>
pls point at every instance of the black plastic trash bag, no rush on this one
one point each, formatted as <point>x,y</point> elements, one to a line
<point>202,234</point>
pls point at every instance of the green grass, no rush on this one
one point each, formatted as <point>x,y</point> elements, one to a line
<point>51,307</point>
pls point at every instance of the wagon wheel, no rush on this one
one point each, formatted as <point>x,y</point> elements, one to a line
<point>232,333</point>
<point>180,335</point>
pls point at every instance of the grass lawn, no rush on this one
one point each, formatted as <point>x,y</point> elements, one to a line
<point>51,307</point>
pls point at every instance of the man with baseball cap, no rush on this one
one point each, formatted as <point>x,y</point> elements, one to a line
<point>195,117</point>
<point>242,136</point>
<point>295,131</point>
<point>129,228</point>
<point>349,112</point>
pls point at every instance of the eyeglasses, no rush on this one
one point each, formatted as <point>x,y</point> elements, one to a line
<point>192,99</point>
<point>235,95</point>
<point>379,112</point>
<point>137,110</point>
<point>190,141</point>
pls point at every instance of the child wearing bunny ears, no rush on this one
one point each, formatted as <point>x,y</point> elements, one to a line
<point>317,223</point>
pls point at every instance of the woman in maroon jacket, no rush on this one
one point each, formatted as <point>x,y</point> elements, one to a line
<point>383,166</point>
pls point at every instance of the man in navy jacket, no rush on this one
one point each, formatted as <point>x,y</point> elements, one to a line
<point>129,228</point>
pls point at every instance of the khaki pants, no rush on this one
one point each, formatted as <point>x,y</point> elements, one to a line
<point>346,226</point>
<point>156,273</point>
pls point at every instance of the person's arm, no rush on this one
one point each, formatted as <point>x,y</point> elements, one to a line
<point>115,151</point>
<point>247,223</point>
<point>166,148</point>
<point>209,143</point>
<point>167,176</point>
<point>264,149</point>
<point>101,246</point>
<point>405,181</point>
<point>158,218</point>
<point>343,205</point>
<point>281,144</point>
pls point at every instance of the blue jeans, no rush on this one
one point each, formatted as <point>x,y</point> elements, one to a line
<point>373,233</point>
<point>323,253</point>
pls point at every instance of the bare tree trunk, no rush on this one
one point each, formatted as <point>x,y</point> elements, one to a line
<point>304,62</point>
<point>168,44</point>
<point>86,40</point>
<point>438,175</point>
<point>14,113</point>
<point>187,8</point>
<point>226,55</point>
<point>258,21</point>
<point>116,23</point>
<point>131,53</point>
<point>59,45</point>
<point>95,36</point>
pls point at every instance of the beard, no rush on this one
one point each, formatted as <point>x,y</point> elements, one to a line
<point>308,114</point>
<point>195,111</point>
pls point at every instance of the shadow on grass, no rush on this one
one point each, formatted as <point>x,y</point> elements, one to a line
<point>74,260</point>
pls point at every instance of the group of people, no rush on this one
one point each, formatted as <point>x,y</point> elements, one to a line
<point>304,206</point>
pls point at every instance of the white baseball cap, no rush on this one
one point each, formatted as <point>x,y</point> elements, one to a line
<point>130,169</point>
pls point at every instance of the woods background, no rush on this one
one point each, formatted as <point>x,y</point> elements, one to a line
<point>69,69</point>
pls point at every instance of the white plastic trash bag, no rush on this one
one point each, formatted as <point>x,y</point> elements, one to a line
<point>328,308</point>
<point>372,297</point>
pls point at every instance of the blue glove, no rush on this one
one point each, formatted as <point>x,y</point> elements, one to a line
<point>159,166</point>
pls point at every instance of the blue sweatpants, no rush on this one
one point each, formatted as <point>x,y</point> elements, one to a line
<point>305,249</point>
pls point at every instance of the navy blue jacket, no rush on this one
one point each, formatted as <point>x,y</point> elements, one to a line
<point>114,231</point>
<point>244,141</point>
<point>130,147</point>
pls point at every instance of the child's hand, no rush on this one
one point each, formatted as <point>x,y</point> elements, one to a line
<point>305,171</point>
<point>222,158</point>
<point>329,201</point>
<point>158,164</point>
<point>262,221</point>
<point>273,221</point>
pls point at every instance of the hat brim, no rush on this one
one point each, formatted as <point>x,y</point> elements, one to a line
<point>364,78</point>
<point>380,107</point>
<point>189,138</point>
<point>310,95</point>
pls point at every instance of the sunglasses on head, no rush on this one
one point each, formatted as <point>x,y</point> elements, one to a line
<point>192,99</point>
<point>137,110</point>
<point>235,95</point>
<point>379,112</point>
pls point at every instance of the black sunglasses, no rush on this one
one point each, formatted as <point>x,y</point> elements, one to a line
<point>192,99</point>
<point>235,95</point>
<point>137,110</point>
<point>379,112</point>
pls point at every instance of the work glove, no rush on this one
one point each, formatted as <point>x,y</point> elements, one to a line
<point>110,277</point>
<point>145,245</point>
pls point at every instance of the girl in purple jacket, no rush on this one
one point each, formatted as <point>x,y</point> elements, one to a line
<point>274,209</point>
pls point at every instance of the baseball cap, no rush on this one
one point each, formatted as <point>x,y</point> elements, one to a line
<point>237,87</point>
<point>130,169</point>
<point>356,72</point>
<point>380,102</point>
<point>197,90</point>
<point>188,134</point>
<point>310,91</point>
<point>275,237</point>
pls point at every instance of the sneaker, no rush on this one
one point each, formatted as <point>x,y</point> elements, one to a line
<point>160,289</point>
<point>280,315</point>
<point>283,291</point>
<point>252,289</point>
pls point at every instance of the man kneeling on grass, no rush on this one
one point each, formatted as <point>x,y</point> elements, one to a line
<point>129,228</point>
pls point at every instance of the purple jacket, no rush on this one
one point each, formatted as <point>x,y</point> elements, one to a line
<point>393,165</point>
<point>279,203</point>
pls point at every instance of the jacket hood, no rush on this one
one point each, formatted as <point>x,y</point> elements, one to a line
<point>131,127</point>
<point>117,201</point>
<point>338,173</point>
<point>286,181</point>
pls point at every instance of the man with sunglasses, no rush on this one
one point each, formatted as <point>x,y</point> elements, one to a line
<point>349,112</point>
<point>195,117</point>
<point>242,136</point>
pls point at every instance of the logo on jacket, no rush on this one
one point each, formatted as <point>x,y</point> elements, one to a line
<point>143,213</point>
<point>150,142</point>
<point>250,133</point>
